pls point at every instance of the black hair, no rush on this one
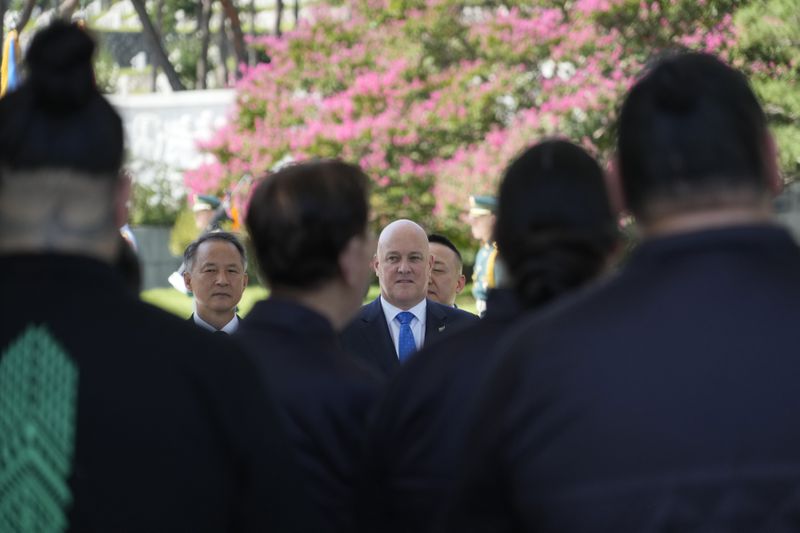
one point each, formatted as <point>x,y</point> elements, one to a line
<point>690,125</point>
<point>555,228</point>
<point>191,251</point>
<point>57,119</point>
<point>301,218</point>
<point>444,241</point>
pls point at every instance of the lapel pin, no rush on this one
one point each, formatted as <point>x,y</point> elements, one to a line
<point>441,329</point>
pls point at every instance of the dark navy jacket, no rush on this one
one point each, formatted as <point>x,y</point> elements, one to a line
<point>664,400</point>
<point>155,424</point>
<point>420,426</point>
<point>324,396</point>
<point>367,337</point>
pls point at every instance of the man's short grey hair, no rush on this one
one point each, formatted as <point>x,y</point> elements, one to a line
<point>191,251</point>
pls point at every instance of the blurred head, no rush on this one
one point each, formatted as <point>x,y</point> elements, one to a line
<point>446,279</point>
<point>204,208</point>
<point>555,229</point>
<point>482,226</point>
<point>482,209</point>
<point>216,273</point>
<point>308,225</point>
<point>403,263</point>
<point>693,137</point>
<point>61,150</point>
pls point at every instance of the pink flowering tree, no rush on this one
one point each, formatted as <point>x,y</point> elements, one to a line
<point>434,97</point>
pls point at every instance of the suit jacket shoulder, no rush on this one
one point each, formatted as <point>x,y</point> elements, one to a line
<point>441,320</point>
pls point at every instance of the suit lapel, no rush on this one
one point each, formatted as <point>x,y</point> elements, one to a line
<point>435,321</point>
<point>376,333</point>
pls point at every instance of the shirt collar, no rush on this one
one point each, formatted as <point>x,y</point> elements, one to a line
<point>228,328</point>
<point>391,311</point>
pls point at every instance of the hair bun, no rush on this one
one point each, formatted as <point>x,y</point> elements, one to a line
<point>673,90</point>
<point>60,67</point>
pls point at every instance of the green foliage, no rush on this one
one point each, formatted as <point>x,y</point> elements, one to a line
<point>769,51</point>
<point>154,204</point>
<point>787,137</point>
<point>651,26</point>
<point>184,231</point>
<point>184,53</point>
<point>106,72</point>
<point>172,7</point>
<point>770,30</point>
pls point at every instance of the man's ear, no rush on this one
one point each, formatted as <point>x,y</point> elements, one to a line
<point>375,264</point>
<point>187,280</point>
<point>245,279</point>
<point>616,194</point>
<point>462,281</point>
<point>122,196</point>
<point>774,179</point>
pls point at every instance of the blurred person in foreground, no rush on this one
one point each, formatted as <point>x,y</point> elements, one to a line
<point>389,330</point>
<point>216,275</point>
<point>115,415</point>
<point>665,399</point>
<point>308,226</point>
<point>556,232</point>
<point>447,278</point>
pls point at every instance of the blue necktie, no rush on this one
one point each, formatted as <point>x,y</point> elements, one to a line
<point>406,344</point>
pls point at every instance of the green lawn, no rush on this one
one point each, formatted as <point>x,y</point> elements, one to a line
<point>179,304</point>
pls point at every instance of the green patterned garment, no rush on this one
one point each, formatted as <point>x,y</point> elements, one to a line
<point>38,404</point>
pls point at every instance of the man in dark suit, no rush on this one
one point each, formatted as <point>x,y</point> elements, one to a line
<point>115,415</point>
<point>665,399</point>
<point>397,323</point>
<point>216,274</point>
<point>308,225</point>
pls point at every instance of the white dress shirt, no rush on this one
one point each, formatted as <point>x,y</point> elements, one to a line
<point>417,324</point>
<point>228,328</point>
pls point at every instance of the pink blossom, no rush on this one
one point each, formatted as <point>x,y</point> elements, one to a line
<point>340,85</point>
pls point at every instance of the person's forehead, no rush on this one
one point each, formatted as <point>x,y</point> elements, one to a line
<point>218,251</point>
<point>442,254</point>
<point>405,241</point>
<point>400,250</point>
